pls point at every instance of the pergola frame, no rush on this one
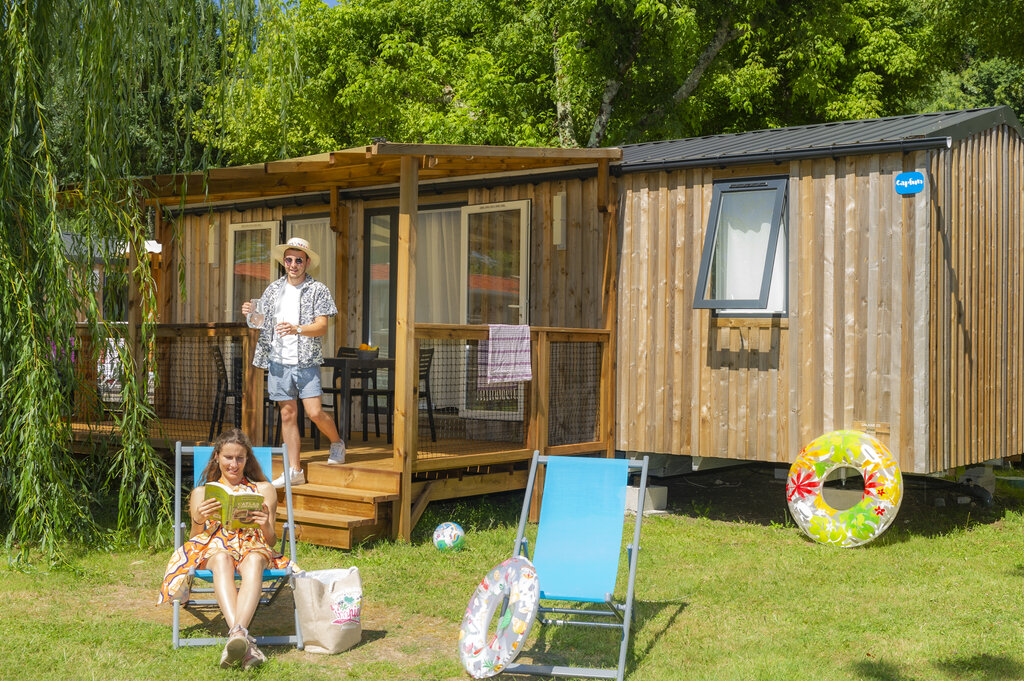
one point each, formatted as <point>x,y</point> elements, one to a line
<point>405,165</point>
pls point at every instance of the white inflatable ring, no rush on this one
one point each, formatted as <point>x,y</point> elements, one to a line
<point>515,579</point>
<point>883,488</point>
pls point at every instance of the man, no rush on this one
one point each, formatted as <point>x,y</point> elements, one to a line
<point>297,307</point>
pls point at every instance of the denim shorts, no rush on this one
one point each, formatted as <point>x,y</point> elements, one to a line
<point>288,382</point>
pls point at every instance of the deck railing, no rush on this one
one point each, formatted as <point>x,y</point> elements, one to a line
<point>184,385</point>
<point>564,409</point>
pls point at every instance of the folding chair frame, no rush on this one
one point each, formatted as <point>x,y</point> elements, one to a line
<point>276,578</point>
<point>622,612</point>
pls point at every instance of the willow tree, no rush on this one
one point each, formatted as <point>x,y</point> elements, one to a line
<point>105,67</point>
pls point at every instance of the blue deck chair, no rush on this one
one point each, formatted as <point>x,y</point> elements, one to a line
<point>578,547</point>
<point>273,580</point>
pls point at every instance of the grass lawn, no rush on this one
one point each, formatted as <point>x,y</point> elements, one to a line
<point>727,589</point>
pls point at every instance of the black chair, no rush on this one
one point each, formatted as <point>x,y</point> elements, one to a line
<point>367,379</point>
<point>225,389</point>
<point>426,359</point>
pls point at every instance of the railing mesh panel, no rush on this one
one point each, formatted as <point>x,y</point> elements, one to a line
<point>470,415</point>
<point>574,393</point>
<point>193,374</point>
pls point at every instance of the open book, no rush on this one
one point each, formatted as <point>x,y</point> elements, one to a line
<point>236,507</point>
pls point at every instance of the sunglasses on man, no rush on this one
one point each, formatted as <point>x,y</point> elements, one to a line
<point>290,260</point>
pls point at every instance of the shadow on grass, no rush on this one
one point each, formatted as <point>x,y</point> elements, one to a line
<point>878,670</point>
<point>750,493</point>
<point>566,645</point>
<point>983,666</point>
<point>646,611</point>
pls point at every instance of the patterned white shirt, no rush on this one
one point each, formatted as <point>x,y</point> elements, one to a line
<point>314,301</point>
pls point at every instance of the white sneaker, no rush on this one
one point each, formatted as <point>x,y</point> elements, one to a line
<point>337,454</point>
<point>298,478</point>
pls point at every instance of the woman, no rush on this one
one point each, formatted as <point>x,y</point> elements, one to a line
<point>223,551</point>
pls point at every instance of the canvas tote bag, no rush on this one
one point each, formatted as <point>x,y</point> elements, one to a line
<point>330,603</point>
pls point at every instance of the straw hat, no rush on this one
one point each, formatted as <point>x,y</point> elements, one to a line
<point>299,244</point>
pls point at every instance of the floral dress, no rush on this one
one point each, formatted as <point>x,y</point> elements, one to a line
<point>215,539</point>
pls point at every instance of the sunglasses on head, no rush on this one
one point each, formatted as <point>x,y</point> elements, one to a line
<point>289,260</point>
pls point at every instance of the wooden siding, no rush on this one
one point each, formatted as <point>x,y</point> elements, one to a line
<point>853,350</point>
<point>565,284</point>
<point>976,272</point>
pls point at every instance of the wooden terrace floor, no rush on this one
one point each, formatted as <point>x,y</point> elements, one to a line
<point>375,452</point>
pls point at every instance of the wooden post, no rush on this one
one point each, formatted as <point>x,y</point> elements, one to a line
<point>406,354</point>
<point>340,226</point>
<point>134,331</point>
<point>610,312</point>
<point>158,264</point>
<point>252,391</point>
<point>540,389</point>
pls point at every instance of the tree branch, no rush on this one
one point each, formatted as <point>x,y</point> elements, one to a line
<point>723,35</point>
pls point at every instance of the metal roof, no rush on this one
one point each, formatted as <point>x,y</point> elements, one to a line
<point>874,135</point>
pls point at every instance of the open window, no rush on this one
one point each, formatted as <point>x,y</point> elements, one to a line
<point>743,269</point>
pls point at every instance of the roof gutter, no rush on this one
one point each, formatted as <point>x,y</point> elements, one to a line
<point>832,151</point>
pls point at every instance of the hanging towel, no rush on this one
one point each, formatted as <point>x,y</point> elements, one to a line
<point>485,390</point>
<point>508,354</point>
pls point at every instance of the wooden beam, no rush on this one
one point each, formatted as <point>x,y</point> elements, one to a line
<point>406,354</point>
<point>610,312</point>
<point>472,485</point>
<point>161,264</point>
<point>341,269</point>
<point>540,395</point>
<point>603,186</point>
<point>252,391</point>
<point>483,151</point>
<point>422,500</point>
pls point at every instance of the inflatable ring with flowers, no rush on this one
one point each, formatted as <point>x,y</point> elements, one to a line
<point>516,580</point>
<point>877,508</point>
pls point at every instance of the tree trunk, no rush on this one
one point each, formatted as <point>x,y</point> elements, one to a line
<point>611,89</point>
<point>563,108</point>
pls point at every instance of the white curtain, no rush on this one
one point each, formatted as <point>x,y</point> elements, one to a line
<point>438,245</point>
<point>317,231</point>
<point>741,245</point>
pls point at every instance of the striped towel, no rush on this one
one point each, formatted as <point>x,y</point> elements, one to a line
<point>508,353</point>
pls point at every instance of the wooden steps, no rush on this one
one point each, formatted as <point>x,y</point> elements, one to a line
<point>342,504</point>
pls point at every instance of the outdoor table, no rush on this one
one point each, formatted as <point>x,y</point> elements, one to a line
<point>349,366</point>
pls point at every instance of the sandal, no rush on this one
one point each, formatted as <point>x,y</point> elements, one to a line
<point>254,657</point>
<point>236,647</point>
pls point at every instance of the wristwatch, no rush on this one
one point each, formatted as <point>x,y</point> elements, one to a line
<point>298,330</point>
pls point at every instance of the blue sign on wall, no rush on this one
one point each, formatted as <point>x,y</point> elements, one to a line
<point>909,183</point>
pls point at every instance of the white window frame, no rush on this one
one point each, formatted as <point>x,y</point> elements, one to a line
<point>524,206</point>
<point>273,226</point>
<point>778,238</point>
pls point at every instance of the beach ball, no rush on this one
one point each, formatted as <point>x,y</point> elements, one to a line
<point>449,537</point>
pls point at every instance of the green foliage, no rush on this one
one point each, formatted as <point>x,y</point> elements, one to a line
<point>986,82</point>
<point>502,72</point>
<point>980,48</point>
<point>118,81</point>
